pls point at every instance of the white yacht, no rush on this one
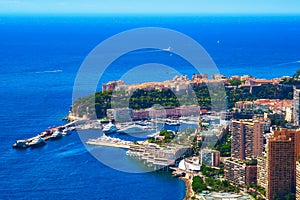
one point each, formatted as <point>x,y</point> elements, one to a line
<point>135,128</point>
<point>66,132</point>
<point>56,135</point>
<point>22,144</point>
<point>36,142</point>
<point>109,128</point>
<point>172,122</point>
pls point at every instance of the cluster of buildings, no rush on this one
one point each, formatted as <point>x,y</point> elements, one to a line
<point>264,155</point>
<point>128,114</point>
<point>261,154</point>
<point>178,83</point>
<point>207,157</point>
<point>182,82</point>
<point>270,164</point>
<point>159,158</point>
<point>269,108</point>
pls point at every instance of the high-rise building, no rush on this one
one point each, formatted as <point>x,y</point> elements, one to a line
<point>296,105</point>
<point>298,180</point>
<point>210,157</point>
<point>262,171</point>
<point>240,172</point>
<point>282,153</point>
<point>247,138</point>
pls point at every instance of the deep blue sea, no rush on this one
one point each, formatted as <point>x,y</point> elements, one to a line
<point>39,59</point>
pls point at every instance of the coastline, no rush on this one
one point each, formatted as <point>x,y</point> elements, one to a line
<point>188,187</point>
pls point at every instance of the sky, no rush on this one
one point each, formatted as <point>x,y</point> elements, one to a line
<point>150,6</point>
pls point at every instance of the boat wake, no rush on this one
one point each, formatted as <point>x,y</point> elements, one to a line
<point>50,71</point>
<point>151,50</point>
<point>288,63</point>
<point>71,149</point>
<point>72,152</point>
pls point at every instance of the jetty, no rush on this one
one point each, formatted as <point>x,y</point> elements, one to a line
<point>49,134</point>
<point>110,142</point>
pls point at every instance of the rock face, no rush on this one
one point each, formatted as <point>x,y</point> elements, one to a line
<point>80,115</point>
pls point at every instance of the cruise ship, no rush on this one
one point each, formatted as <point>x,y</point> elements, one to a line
<point>135,129</point>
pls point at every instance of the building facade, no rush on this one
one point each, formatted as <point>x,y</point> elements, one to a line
<point>239,172</point>
<point>210,157</point>
<point>120,114</point>
<point>262,172</point>
<point>298,180</point>
<point>282,154</point>
<point>296,105</point>
<point>247,138</point>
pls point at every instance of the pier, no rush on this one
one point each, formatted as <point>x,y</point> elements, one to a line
<point>42,137</point>
<point>110,142</point>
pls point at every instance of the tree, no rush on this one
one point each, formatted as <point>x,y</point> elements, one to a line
<point>198,184</point>
<point>290,196</point>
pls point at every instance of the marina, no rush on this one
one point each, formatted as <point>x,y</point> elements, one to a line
<point>140,128</point>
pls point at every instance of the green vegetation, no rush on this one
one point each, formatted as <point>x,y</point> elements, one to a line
<point>220,186</point>
<point>210,171</point>
<point>278,122</point>
<point>215,184</point>
<point>196,146</point>
<point>143,98</point>
<point>289,196</point>
<point>251,162</point>
<point>198,184</point>
<point>235,82</point>
<point>212,184</point>
<point>268,91</point>
<point>295,80</point>
<point>255,191</point>
<point>168,136</point>
<point>224,145</point>
<point>99,102</point>
<point>146,98</point>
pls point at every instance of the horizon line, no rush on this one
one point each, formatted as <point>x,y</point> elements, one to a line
<point>152,14</point>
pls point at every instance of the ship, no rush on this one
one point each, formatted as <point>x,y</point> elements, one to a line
<point>135,129</point>
<point>36,142</point>
<point>56,135</point>
<point>172,122</point>
<point>20,144</point>
<point>110,128</point>
<point>66,132</point>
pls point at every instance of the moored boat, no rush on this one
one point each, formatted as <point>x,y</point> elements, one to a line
<point>56,135</point>
<point>135,129</point>
<point>20,144</point>
<point>36,142</point>
<point>66,132</point>
<point>172,122</point>
<point>110,128</point>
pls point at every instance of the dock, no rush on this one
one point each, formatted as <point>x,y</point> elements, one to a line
<point>43,136</point>
<point>110,142</point>
<point>98,143</point>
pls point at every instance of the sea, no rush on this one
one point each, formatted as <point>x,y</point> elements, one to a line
<point>39,60</point>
